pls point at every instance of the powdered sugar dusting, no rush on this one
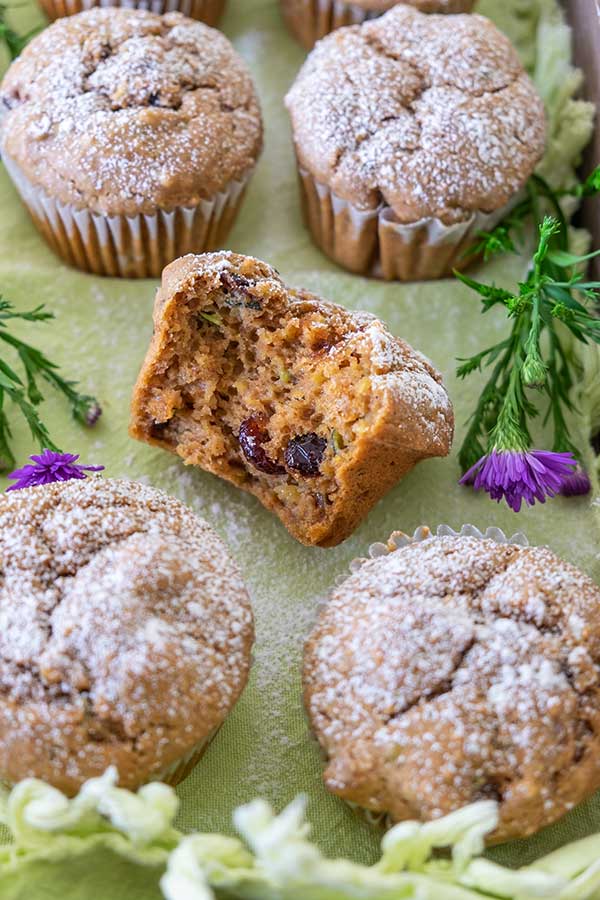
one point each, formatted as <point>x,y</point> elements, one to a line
<point>119,109</point>
<point>434,114</point>
<point>450,670</point>
<point>124,627</point>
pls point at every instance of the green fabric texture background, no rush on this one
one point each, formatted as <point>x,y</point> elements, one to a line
<point>101,331</point>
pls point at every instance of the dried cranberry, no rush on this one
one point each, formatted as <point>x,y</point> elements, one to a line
<point>232,281</point>
<point>157,429</point>
<point>238,287</point>
<point>321,346</point>
<point>251,437</point>
<point>305,453</point>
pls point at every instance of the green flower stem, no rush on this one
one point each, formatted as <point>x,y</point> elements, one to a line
<point>24,392</point>
<point>472,449</point>
<point>533,356</point>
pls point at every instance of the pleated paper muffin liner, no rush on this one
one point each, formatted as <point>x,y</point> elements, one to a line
<point>181,768</point>
<point>137,246</point>
<point>310,20</point>
<point>371,242</point>
<point>396,541</point>
<point>208,11</point>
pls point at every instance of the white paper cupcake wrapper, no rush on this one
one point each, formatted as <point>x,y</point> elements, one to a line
<point>399,539</point>
<point>138,246</point>
<point>341,12</point>
<point>310,20</point>
<point>205,10</point>
<point>371,242</point>
<point>181,768</point>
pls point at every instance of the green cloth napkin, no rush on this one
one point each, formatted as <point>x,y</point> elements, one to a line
<point>101,332</point>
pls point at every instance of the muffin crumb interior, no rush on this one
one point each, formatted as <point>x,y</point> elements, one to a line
<point>272,388</point>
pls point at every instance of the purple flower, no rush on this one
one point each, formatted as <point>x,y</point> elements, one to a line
<point>517,475</point>
<point>576,483</point>
<point>49,467</point>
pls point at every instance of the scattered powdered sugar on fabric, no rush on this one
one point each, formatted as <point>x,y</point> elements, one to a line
<point>432,113</point>
<point>456,669</point>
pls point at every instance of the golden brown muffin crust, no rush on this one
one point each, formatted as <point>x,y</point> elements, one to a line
<point>314,409</point>
<point>431,115</point>
<point>123,111</point>
<point>126,632</point>
<point>458,669</point>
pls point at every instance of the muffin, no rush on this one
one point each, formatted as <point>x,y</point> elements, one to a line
<point>126,634</point>
<point>315,410</point>
<point>130,137</point>
<point>413,133</point>
<point>458,669</point>
<point>310,20</point>
<point>209,11</point>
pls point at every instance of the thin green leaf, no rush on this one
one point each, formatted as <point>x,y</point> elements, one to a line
<point>7,459</point>
<point>487,291</point>
<point>563,259</point>
<point>25,393</point>
<point>9,373</point>
<point>562,295</point>
<point>591,185</point>
<point>39,314</point>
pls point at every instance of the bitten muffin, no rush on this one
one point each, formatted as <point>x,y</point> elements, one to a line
<point>130,137</point>
<point>457,669</point>
<point>315,410</point>
<point>310,20</point>
<point>126,634</point>
<point>413,133</point>
<point>208,11</point>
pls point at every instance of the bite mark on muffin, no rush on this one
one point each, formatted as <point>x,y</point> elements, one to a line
<point>314,409</point>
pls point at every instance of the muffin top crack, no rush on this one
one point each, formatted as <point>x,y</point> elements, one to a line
<point>453,668</point>
<point>125,625</point>
<point>122,110</point>
<point>433,113</point>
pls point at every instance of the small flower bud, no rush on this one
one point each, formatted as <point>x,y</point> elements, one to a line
<point>577,483</point>
<point>93,413</point>
<point>534,372</point>
<point>87,411</point>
